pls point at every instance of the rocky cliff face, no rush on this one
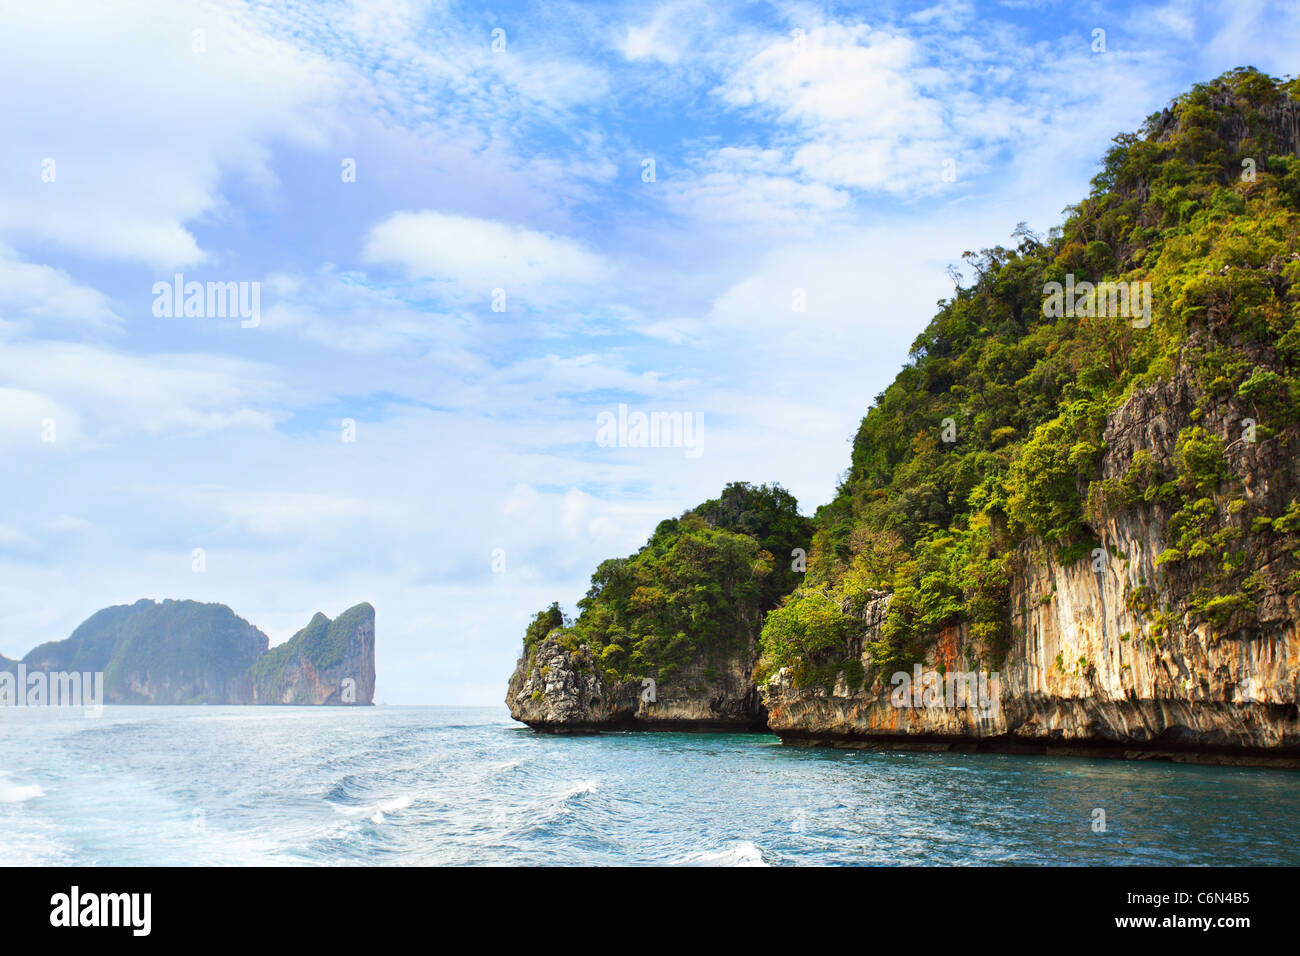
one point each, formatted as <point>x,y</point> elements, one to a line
<point>327,662</point>
<point>558,689</point>
<point>1108,655</point>
<point>1105,656</point>
<point>1073,682</point>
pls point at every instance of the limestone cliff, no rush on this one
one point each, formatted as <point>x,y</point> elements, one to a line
<point>1111,519</point>
<point>187,652</point>
<point>1084,480</point>
<point>558,689</point>
<point>327,662</point>
<point>1108,654</point>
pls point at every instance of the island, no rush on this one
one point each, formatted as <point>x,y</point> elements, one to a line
<point>1070,525</point>
<point>186,652</point>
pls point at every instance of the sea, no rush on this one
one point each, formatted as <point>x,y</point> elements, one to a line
<point>387,785</point>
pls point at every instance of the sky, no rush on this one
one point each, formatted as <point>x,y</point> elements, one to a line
<point>472,231</point>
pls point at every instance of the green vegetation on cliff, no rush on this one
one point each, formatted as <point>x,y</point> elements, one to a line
<point>186,652</point>
<point>183,642</point>
<point>700,585</point>
<point>993,432</point>
<point>992,437</point>
<point>322,643</point>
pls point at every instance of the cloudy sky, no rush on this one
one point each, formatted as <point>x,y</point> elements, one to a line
<point>475,228</point>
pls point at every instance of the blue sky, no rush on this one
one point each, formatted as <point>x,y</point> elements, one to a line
<point>845,154</point>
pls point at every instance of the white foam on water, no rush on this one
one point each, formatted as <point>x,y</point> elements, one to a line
<point>391,806</point>
<point>376,812</point>
<point>397,803</point>
<point>738,854</point>
<point>19,793</point>
<point>579,789</point>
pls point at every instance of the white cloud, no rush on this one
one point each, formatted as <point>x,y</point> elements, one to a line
<point>293,513</point>
<point>744,186</point>
<point>678,331</point>
<point>856,97</point>
<point>40,298</point>
<point>349,312</point>
<point>663,37</point>
<point>422,66</point>
<point>25,417</point>
<point>106,394</point>
<point>521,502</point>
<point>140,128</point>
<point>478,255</point>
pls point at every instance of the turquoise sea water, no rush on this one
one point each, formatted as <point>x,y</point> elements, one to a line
<point>425,785</point>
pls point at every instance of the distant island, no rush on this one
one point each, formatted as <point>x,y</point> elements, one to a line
<point>1070,525</point>
<point>186,652</point>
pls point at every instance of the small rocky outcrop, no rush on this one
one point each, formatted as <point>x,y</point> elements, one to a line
<point>667,638</point>
<point>558,689</point>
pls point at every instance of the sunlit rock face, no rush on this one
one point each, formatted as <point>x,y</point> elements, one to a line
<point>557,689</point>
<point>1103,658</point>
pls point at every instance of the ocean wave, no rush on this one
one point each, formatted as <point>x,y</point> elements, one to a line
<point>470,798</point>
<point>580,789</point>
<point>390,806</point>
<point>347,790</point>
<point>376,813</point>
<point>738,854</point>
<point>19,793</point>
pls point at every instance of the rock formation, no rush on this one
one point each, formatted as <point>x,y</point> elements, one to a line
<point>561,690</point>
<point>1098,504</point>
<point>185,652</point>
<point>327,662</point>
<point>1094,666</point>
